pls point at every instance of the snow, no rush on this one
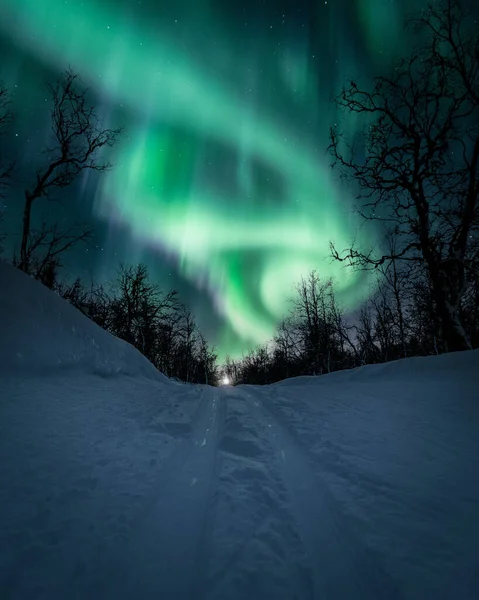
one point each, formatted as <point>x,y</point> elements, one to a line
<point>118,483</point>
<point>41,333</point>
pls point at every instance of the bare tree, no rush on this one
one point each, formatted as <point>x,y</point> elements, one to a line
<point>287,348</point>
<point>391,301</point>
<point>6,117</point>
<point>138,308</point>
<point>47,244</point>
<point>418,168</point>
<point>367,347</point>
<point>187,340</point>
<point>206,363</point>
<point>231,369</point>
<point>384,325</point>
<point>314,311</point>
<point>471,309</point>
<point>396,281</point>
<point>77,139</point>
<point>6,165</point>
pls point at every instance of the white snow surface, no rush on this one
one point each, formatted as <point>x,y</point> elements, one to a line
<point>118,483</point>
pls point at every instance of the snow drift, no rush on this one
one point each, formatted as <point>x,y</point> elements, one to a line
<point>41,331</point>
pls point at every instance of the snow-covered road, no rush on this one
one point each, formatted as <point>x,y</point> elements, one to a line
<point>124,488</point>
<point>118,483</point>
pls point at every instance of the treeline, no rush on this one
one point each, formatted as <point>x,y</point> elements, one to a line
<point>155,322</point>
<point>399,320</point>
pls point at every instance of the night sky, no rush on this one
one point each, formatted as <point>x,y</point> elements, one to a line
<point>222,183</point>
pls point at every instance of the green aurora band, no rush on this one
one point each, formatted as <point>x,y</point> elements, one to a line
<point>217,170</point>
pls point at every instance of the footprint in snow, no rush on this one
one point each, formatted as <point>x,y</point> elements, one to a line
<point>247,448</point>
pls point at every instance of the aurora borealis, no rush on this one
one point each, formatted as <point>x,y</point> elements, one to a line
<point>223,175</point>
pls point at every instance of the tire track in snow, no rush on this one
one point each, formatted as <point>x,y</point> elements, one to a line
<point>162,555</point>
<point>341,566</point>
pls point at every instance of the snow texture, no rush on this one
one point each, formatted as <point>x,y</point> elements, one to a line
<point>118,483</point>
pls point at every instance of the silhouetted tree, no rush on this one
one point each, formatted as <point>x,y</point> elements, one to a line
<point>423,326</point>
<point>418,170</point>
<point>470,308</point>
<point>75,293</point>
<point>287,356</point>
<point>6,165</point>
<point>368,350</point>
<point>46,246</point>
<point>187,338</point>
<point>255,367</point>
<point>6,117</point>
<point>231,369</point>
<point>206,368</point>
<point>315,316</point>
<point>138,307</point>
<point>155,322</point>
<point>313,339</point>
<point>76,143</point>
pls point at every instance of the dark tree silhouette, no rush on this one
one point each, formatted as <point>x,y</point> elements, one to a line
<point>186,344</point>
<point>316,317</point>
<point>77,139</point>
<point>418,168</point>
<point>6,117</point>
<point>46,246</point>
<point>231,369</point>
<point>6,165</point>
<point>206,369</point>
<point>136,310</point>
<point>314,339</point>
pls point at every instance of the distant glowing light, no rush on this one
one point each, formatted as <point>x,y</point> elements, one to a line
<point>225,381</point>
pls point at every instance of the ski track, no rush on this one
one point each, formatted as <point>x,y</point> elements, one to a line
<point>255,549</point>
<point>167,541</point>
<point>341,567</point>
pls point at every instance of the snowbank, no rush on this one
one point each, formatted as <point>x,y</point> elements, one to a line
<point>457,364</point>
<point>40,331</point>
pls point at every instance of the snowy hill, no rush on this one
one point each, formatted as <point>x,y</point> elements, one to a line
<point>41,331</point>
<point>117,483</point>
